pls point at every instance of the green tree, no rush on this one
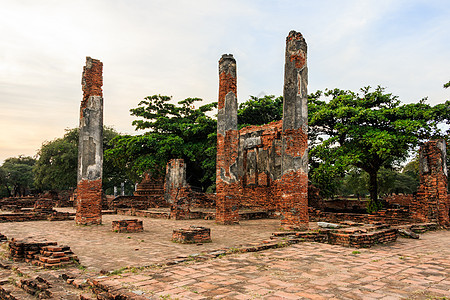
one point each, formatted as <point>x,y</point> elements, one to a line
<point>355,183</point>
<point>370,131</point>
<point>446,85</point>
<point>260,111</point>
<point>17,175</point>
<point>56,167</point>
<point>173,131</point>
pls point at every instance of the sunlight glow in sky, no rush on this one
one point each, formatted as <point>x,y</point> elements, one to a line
<point>172,47</point>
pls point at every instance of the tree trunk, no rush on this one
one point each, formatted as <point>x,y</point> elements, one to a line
<point>374,203</point>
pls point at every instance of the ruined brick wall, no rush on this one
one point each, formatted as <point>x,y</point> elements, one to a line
<point>431,203</point>
<point>227,179</point>
<point>259,165</point>
<point>265,166</point>
<point>90,148</point>
<point>402,200</point>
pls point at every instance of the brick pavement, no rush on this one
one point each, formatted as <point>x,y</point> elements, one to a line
<point>99,248</point>
<point>407,269</point>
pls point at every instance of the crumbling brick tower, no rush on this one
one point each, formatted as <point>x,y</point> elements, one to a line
<point>292,187</point>
<point>227,180</point>
<point>90,147</point>
<point>431,203</point>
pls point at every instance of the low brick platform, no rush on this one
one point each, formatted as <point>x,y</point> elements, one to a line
<point>45,253</point>
<point>356,235</point>
<point>192,235</point>
<point>362,238</point>
<point>35,216</point>
<point>133,225</point>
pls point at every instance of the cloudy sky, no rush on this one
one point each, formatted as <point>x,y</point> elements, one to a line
<point>172,47</point>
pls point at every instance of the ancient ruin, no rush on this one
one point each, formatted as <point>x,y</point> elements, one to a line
<point>90,147</point>
<point>176,189</point>
<point>431,203</point>
<point>262,180</point>
<point>265,166</point>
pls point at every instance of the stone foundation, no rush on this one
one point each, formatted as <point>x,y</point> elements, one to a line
<point>127,226</point>
<point>355,236</point>
<point>192,235</point>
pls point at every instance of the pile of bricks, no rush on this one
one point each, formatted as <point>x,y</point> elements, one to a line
<point>26,250</point>
<point>55,256</point>
<point>45,254</point>
<point>133,225</point>
<point>3,238</point>
<point>36,286</point>
<point>192,235</point>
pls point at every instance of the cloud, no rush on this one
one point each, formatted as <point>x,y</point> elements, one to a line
<point>173,47</point>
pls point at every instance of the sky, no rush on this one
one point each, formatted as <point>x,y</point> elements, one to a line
<point>172,47</point>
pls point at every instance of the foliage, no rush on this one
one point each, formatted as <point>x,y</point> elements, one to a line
<point>370,130</point>
<point>355,183</point>
<point>391,181</point>
<point>56,167</point>
<point>446,85</point>
<point>260,111</point>
<point>174,131</point>
<point>16,175</point>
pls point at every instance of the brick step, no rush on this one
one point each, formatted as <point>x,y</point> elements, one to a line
<point>11,292</point>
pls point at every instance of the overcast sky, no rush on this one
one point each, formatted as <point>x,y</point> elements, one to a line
<point>172,48</point>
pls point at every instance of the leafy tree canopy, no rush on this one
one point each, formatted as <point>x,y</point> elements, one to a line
<point>56,167</point>
<point>260,111</point>
<point>16,175</point>
<point>173,131</point>
<point>370,130</point>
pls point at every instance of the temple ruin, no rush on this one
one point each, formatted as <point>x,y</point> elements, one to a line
<point>431,203</point>
<point>90,147</point>
<point>267,164</point>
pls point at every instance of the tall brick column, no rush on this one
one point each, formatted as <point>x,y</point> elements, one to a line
<point>90,148</point>
<point>432,203</point>
<point>227,179</point>
<point>292,187</point>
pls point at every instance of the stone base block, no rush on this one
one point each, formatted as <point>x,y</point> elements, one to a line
<point>133,225</point>
<point>192,235</point>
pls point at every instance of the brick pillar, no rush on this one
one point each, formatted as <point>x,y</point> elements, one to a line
<point>432,203</point>
<point>90,148</point>
<point>227,179</point>
<point>176,189</point>
<point>292,187</point>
